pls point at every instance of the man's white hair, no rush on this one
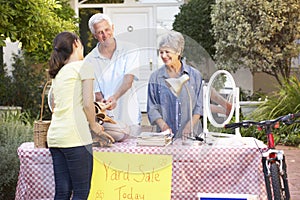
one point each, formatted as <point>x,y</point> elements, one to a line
<point>96,18</point>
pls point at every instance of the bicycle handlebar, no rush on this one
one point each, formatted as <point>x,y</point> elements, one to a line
<point>286,119</point>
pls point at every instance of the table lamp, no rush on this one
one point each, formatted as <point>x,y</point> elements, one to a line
<point>175,85</point>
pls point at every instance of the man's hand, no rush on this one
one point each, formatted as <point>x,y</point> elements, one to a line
<point>112,101</point>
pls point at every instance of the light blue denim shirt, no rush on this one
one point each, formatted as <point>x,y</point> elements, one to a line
<point>162,103</point>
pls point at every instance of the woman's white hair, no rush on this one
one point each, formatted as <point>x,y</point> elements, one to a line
<point>173,40</point>
<point>96,18</point>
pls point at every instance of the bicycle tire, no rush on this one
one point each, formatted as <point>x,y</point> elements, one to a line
<point>285,181</point>
<point>276,182</point>
<point>267,179</point>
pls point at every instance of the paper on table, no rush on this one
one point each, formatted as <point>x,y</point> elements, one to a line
<point>155,138</point>
<point>146,135</point>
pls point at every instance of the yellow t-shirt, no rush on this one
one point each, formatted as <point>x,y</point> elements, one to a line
<point>69,126</point>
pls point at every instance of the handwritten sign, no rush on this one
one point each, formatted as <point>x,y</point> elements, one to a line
<point>123,176</point>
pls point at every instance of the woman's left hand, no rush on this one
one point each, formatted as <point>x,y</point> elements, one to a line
<point>186,132</point>
<point>96,128</point>
<point>99,131</point>
<point>103,133</point>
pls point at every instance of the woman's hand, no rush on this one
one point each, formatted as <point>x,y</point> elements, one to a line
<point>99,130</point>
<point>108,136</point>
<point>186,132</point>
<point>162,125</point>
<point>96,128</point>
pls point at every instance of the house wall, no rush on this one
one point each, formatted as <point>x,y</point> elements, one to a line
<point>244,80</point>
<point>264,83</point>
<point>11,48</point>
<point>268,84</point>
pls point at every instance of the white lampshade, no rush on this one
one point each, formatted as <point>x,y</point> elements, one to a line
<point>175,84</point>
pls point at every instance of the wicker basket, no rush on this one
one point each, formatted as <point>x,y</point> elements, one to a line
<point>40,127</point>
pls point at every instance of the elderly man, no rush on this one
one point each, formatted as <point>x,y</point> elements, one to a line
<point>116,67</point>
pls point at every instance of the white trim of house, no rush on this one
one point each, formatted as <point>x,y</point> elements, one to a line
<point>128,3</point>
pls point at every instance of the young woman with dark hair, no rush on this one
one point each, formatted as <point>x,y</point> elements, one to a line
<point>69,138</point>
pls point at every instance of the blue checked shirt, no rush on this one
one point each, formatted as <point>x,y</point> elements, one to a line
<point>162,103</point>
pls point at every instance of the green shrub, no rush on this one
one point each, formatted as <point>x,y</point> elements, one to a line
<point>14,130</point>
<point>286,100</point>
<point>24,87</point>
<point>194,20</point>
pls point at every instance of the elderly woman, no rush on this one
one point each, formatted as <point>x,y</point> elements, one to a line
<point>166,110</point>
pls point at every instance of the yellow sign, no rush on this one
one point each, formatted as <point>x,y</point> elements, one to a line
<point>123,176</point>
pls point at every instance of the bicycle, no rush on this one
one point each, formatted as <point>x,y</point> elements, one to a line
<point>273,160</point>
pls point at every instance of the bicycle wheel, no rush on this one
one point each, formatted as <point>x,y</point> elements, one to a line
<point>276,183</point>
<point>266,177</point>
<point>285,181</point>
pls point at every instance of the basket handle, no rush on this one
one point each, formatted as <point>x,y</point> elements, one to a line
<point>43,97</point>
